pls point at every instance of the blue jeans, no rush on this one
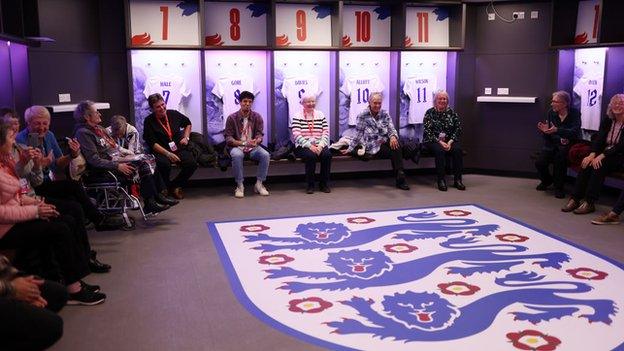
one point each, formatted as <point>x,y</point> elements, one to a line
<point>258,154</point>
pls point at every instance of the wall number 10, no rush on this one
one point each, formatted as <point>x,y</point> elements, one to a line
<point>362,26</point>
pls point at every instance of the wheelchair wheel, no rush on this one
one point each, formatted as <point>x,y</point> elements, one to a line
<point>129,225</point>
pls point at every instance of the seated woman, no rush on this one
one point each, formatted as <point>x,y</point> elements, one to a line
<point>29,224</point>
<point>311,134</point>
<point>102,152</point>
<point>442,129</point>
<point>27,310</point>
<point>607,155</point>
<point>561,130</point>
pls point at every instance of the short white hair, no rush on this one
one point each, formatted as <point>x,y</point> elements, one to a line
<point>307,96</point>
<point>35,112</point>
<point>438,93</point>
<point>375,93</point>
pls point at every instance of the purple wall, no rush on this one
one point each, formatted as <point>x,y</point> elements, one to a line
<point>6,92</point>
<point>14,76</point>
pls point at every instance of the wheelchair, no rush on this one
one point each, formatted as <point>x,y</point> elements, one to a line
<point>112,197</point>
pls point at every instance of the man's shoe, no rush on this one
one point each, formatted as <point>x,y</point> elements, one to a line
<point>570,206</point>
<point>459,185</point>
<point>542,186</point>
<point>260,189</point>
<point>176,193</point>
<point>310,189</point>
<point>402,184</point>
<point>442,185</point>
<point>239,192</point>
<point>559,193</point>
<point>86,298</point>
<point>151,206</point>
<point>607,218</point>
<point>96,266</point>
<point>89,287</point>
<point>584,208</point>
<point>324,188</point>
<point>165,200</point>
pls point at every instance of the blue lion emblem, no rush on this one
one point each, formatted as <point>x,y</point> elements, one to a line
<point>424,316</point>
<point>358,269</point>
<point>323,235</point>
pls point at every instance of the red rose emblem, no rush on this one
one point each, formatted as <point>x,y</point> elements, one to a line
<point>282,40</point>
<point>587,273</point>
<point>142,39</point>
<point>346,41</point>
<point>533,340</point>
<point>407,42</point>
<point>276,259</point>
<point>400,248</point>
<point>253,228</point>
<point>309,305</point>
<point>457,213</point>
<point>581,39</point>
<point>458,288</point>
<point>360,220</point>
<point>214,40</point>
<point>512,238</point>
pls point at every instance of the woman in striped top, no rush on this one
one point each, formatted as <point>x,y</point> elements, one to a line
<point>311,134</point>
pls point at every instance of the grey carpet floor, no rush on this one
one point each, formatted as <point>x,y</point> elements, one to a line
<point>167,290</point>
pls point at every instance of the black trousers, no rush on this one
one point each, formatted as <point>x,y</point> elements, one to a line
<point>395,156</point>
<point>559,158</point>
<point>589,180</point>
<point>73,209</point>
<point>187,165</point>
<point>70,190</point>
<point>26,327</point>
<point>455,154</point>
<point>310,159</point>
<point>57,235</point>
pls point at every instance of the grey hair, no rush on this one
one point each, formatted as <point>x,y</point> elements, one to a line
<point>81,111</point>
<point>563,95</point>
<point>34,112</point>
<point>118,123</point>
<point>306,96</point>
<point>375,93</point>
<point>438,93</point>
<point>615,97</point>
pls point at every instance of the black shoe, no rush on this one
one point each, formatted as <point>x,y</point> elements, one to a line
<point>89,287</point>
<point>402,184</point>
<point>310,189</point>
<point>542,186</point>
<point>324,188</point>
<point>559,193</point>
<point>151,206</point>
<point>86,298</point>
<point>459,185</point>
<point>442,185</point>
<point>96,266</point>
<point>165,200</point>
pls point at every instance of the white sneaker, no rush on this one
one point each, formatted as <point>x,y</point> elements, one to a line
<point>239,192</point>
<point>361,151</point>
<point>260,189</point>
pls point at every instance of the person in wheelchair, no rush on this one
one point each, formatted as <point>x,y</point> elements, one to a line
<point>102,153</point>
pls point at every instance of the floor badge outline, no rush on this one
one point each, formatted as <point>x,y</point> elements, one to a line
<point>440,278</point>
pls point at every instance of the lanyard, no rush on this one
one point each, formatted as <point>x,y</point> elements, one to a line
<point>166,127</point>
<point>615,140</point>
<point>309,121</point>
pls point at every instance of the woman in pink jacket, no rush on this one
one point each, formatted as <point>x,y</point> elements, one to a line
<point>28,223</point>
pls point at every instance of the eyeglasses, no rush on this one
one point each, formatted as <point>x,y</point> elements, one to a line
<point>558,102</point>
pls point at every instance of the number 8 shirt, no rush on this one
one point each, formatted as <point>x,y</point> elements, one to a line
<point>228,89</point>
<point>359,89</point>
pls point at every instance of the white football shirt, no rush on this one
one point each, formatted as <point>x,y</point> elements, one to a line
<point>590,91</point>
<point>420,89</point>
<point>294,88</point>
<point>359,89</point>
<point>228,89</point>
<point>172,88</point>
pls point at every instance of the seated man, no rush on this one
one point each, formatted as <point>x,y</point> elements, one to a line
<point>376,132</point>
<point>243,135</point>
<point>101,152</point>
<point>125,134</point>
<point>166,133</point>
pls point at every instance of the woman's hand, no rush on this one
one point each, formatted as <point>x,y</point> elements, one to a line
<point>173,158</point>
<point>46,211</point>
<point>597,161</point>
<point>394,143</point>
<point>587,160</point>
<point>315,149</point>
<point>125,168</point>
<point>27,289</point>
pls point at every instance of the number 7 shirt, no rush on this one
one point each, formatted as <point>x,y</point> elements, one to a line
<point>172,88</point>
<point>359,89</point>
<point>420,89</point>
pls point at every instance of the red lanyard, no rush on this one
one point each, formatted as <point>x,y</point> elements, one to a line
<point>166,127</point>
<point>310,122</point>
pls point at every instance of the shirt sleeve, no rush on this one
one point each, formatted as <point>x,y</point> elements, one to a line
<point>300,140</point>
<point>428,133</point>
<point>456,132</point>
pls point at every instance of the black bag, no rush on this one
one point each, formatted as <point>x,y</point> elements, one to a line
<point>204,153</point>
<point>411,149</point>
<point>284,151</point>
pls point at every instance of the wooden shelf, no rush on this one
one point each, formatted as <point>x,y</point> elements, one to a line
<point>508,99</point>
<point>72,107</point>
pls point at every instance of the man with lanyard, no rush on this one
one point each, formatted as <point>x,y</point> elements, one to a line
<point>166,133</point>
<point>375,131</point>
<point>243,135</point>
